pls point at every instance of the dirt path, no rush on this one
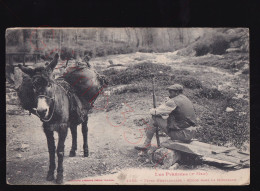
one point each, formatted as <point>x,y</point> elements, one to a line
<point>108,150</point>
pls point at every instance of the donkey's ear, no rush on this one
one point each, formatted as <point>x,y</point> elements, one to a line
<point>53,63</point>
<point>26,70</point>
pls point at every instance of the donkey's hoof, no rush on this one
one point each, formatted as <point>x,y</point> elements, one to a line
<point>59,179</point>
<point>50,176</point>
<point>72,154</point>
<point>85,153</point>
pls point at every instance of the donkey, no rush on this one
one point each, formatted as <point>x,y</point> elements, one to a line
<point>53,107</point>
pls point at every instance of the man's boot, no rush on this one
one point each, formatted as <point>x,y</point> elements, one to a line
<point>147,143</point>
<point>145,146</point>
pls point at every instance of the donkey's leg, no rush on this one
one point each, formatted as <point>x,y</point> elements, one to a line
<point>85,137</point>
<point>73,129</point>
<point>51,148</point>
<point>63,130</point>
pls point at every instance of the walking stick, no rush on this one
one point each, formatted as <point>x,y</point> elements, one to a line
<point>154,106</point>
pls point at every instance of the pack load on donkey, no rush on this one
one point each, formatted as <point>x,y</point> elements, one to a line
<point>60,104</point>
<point>85,84</point>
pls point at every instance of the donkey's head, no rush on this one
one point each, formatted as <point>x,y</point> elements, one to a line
<point>43,86</point>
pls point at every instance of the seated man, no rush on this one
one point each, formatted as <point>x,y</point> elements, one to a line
<point>176,118</point>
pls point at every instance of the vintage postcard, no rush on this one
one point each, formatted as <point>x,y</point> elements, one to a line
<point>127,106</point>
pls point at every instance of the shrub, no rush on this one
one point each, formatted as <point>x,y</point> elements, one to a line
<point>219,44</point>
<point>145,50</point>
<point>214,44</point>
<point>192,83</point>
<point>67,53</point>
<point>188,81</point>
<point>210,93</point>
<point>201,49</point>
<point>138,73</point>
<point>123,77</point>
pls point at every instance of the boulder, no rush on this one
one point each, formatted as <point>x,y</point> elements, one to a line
<point>164,157</point>
<point>229,109</point>
<point>233,50</point>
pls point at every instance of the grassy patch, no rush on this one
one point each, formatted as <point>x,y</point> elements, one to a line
<point>223,127</point>
<point>210,93</point>
<point>181,72</point>
<point>151,67</point>
<point>139,72</point>
<point>133,88</point>
<point>145,71</point>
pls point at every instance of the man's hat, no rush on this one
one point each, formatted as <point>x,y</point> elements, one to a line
<point>175,87</point>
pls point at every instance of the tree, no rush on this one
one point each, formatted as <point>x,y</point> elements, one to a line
<point>128,33</point>
<point>137,38</point>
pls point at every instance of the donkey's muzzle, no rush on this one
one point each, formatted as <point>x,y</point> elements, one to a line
<point>42,113</point>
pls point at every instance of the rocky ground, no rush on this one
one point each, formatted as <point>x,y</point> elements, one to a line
<point>114,124</point>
